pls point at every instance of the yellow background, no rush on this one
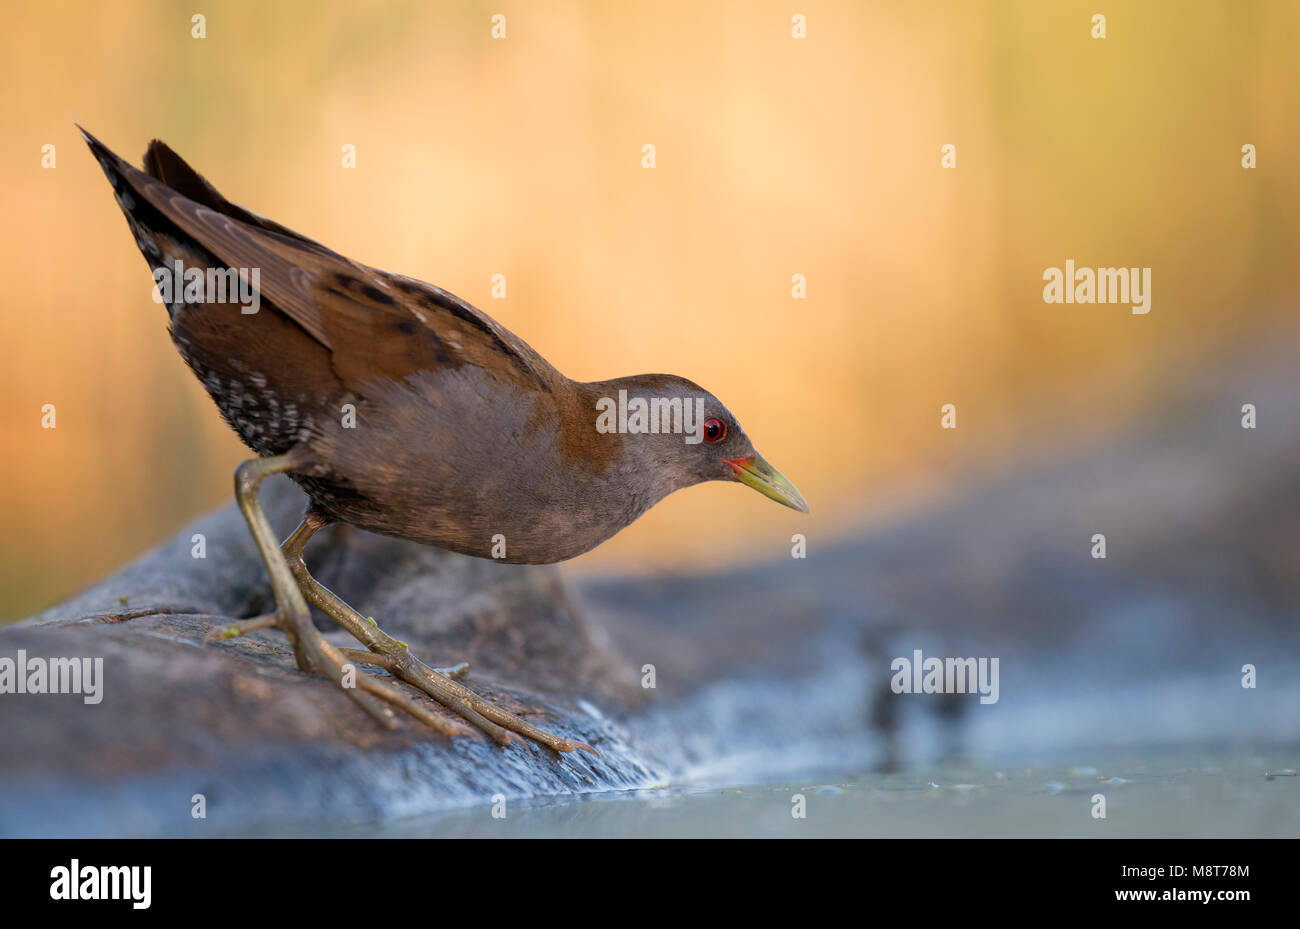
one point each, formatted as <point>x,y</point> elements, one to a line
<point>775,156</point>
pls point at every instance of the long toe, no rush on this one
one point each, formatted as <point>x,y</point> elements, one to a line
<point>461,699</point>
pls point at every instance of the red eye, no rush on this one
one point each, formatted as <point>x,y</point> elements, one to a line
<point>715,430</point>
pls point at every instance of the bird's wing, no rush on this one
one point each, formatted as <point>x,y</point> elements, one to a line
<point>393,326</point>
<point>375,324</point>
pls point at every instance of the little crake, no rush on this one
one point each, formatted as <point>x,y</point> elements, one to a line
<point>401,409</point>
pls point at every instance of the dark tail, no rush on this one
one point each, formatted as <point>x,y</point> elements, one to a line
<point>175,215</point>
<point>164,166</point>
<point>141,198</point>
<point>118,171</point>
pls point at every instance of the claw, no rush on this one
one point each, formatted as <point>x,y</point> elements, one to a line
<point>455,672</point>
<point>235,630</point>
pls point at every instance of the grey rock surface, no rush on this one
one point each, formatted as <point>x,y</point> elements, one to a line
<point>781,666</point>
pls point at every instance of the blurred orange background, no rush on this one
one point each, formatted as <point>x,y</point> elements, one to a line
<point>775,156</point>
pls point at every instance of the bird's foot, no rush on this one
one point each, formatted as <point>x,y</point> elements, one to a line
<point>502,726</point>
<point>314,653</point>
<point>393,656</point>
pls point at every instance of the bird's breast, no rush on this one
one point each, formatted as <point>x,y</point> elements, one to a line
<point>461,460</point>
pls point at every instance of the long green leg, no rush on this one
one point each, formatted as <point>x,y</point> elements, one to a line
<point>502,726</point>
<point>311,650</point>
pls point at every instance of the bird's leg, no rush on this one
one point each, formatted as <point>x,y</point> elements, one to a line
<point>313,653</point>
<point>393,656</point>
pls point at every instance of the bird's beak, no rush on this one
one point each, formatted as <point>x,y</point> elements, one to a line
<point>767,480</point>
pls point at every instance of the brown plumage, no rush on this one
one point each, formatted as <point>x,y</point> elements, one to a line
<point>400,408</point>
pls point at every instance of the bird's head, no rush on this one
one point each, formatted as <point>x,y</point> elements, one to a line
<point>679,433</point>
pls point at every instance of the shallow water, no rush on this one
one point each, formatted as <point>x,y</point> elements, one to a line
<point>1184,793</point>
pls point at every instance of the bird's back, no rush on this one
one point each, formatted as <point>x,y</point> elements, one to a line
<point>391,389</point>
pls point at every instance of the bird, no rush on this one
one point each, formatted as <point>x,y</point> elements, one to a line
<point>403,410</point>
